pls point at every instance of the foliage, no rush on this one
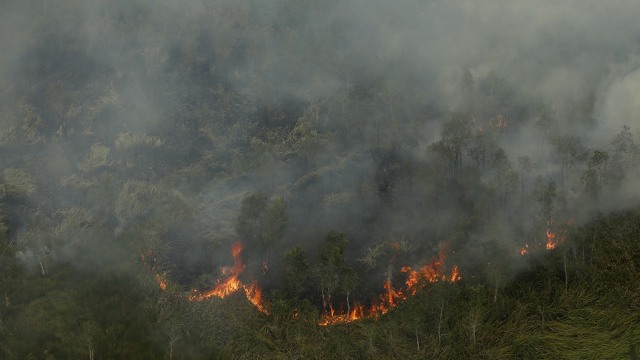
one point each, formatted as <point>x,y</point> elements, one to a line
<point>139,140</point>
<point>17,183</point>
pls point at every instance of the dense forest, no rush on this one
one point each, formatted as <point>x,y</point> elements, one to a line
<point>329,179</point>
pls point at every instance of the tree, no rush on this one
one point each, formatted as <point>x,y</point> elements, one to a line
<point>546,123</point>
<point>456,134</point>
<point>497,266</point>
<point>505,178</point>
<point>296,271</point>
<point>526,167</point>
<point>593,176</point>
<point>498,94</point>
<point>275,224</point>
<point>481,145</point>
<point>624,155</point>
<point>570,150</point>
<point>250,222</point>
<point>546,198</point>
<point>261,224</point>
<point>334,274</point>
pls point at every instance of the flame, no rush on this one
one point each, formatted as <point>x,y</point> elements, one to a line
<point>253,293</point>
<point>551,243</point>
<point>455,274</point>
<point>391,297</point>
<point>162,280</point>
<point>551,239</point>
<point>232,283</point>
<point>355,313</point>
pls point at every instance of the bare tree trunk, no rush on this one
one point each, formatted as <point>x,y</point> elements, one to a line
<point>566,275</point>
<point>440,323</point>
<point>417,339</point>
<point>172,340</point>
<point>348,305</point>
<point>43,267</point>
<point>474,326</point>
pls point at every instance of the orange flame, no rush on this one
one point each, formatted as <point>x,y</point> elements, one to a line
<point>355,313</point>
<point>161,278</point>
<point>232,283</point>
<point>551,239</point>
<point>455,274</point>
<point>551,243</point>
<point>428,273</point>
<point>162,281</point>
<point>254,295</point>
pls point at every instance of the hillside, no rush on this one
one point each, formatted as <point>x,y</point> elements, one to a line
<point>201,179</point>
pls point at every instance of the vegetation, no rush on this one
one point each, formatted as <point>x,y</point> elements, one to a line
<point>227,179</point>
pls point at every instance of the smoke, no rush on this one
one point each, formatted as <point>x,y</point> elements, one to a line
<point>618,106</point>
<point>132,107</point>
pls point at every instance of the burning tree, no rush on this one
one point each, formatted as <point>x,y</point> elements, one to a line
<point>333,273</point>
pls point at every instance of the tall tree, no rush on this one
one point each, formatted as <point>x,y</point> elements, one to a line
<point>594,175</point>
<point>334,274</point>
<point>456,133</point>
<point>570,151</point>
<point>261,224</point>
<point>297,271</point>
<point>526,167</point>
<point>504,177</point>
<point>624,154</point>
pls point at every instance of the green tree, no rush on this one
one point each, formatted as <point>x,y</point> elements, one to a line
<point>505,179</point>
<point>594,175</point>
<point>334,275</point>
<point>570,151</point>
<point>546,200</point>
<point>261,224</point>
<point>250,223</point>
<point>276,222</point>
<point>456,133</point>
<point>624,155</point>
<point>526,167</point>
<point>481,145</point>
<point>497,267</point>
<point>296,271</point>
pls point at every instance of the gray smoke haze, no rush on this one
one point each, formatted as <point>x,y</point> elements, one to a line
<point>211,86</point>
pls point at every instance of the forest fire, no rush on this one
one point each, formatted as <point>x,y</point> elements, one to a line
<point>161,279</point>
<point>232,283</point>
<point>390,298</point>
<point>333,317</point>
<point>551,238</point>
<point>429,273</point>
<point>551,243</point>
